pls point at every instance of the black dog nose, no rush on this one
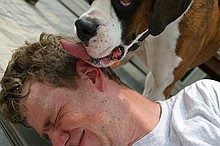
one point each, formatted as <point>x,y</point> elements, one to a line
<point>86,28</point>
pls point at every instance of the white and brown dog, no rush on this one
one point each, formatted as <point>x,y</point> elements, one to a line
<point>182,35</point>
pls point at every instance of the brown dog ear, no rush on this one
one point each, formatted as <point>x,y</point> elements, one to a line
<point>165,12</point>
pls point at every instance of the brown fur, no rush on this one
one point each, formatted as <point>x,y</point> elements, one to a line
<point>140,20</point>
<point>199,34</point>
<point>199,39</point>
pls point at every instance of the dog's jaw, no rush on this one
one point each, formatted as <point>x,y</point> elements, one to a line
<point>116,55</point>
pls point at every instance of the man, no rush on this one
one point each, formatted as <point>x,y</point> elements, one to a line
<point>73,103</point>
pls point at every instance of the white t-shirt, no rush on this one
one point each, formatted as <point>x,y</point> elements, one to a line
<point>190,118</point>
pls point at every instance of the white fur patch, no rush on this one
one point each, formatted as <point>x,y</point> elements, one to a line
<point>162,60</point>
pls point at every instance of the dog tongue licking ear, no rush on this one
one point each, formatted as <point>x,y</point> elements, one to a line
<point>77,50</point>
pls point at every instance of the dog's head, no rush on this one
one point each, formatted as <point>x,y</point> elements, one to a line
<point>110,27</point>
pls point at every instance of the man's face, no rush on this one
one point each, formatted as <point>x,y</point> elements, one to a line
<point>68,116</point>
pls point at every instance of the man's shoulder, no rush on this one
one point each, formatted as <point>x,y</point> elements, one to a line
<point>196,112</point>
<point>204,90</point>
<point>203,94</point>
<point>205,84</point>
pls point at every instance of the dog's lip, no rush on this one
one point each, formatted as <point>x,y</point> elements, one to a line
<point>78,50</point>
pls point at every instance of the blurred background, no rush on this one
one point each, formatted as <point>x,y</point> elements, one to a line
<point>22,20</point>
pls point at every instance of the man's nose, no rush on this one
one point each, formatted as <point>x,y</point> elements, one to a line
<point>86,28</point>
<point>58,138</point>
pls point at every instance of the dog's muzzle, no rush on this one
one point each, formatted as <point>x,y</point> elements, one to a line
<point>86,29</point>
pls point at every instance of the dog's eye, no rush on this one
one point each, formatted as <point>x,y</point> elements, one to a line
<point>125,3</point>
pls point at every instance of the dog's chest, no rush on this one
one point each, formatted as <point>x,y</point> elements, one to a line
<point>161,52</point>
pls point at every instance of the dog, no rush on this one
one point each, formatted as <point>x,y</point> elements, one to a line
<point>182,34</point>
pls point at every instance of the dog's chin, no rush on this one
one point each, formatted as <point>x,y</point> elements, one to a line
<point>117,54</point>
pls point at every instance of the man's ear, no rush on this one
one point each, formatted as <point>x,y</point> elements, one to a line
<point>94,74</point>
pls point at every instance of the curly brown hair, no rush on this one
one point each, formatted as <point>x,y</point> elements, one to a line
<point>45,61</point>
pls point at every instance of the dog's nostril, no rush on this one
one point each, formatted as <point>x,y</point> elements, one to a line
<point>86,28</point>
<point>88,31</point>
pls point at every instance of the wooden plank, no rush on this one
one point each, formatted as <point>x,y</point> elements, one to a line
<point>212,68</point>
<point>78,7</point>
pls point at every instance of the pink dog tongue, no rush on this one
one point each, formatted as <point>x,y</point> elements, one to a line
<point>76,50</point>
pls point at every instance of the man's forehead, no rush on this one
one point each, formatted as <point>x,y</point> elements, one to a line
<point>35,89</point>
<point>37,108</point>
<point>26,87</point>
<point>35,93</point>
